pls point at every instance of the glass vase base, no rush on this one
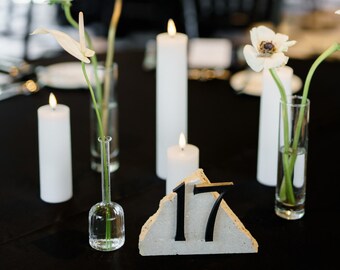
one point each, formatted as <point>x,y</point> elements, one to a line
<point>106,245</point>
<point>96,165</point>
<point>106,226</point>
<point>289,212</point>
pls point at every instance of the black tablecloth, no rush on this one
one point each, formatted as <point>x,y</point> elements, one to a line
<point>224,125</point>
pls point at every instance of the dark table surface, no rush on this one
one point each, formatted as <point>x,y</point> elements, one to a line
<point>224,125</point>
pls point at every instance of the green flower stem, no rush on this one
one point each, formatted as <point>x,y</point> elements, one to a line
<point>117,8</point>
<point>335,47</point>
<point>290,155</point>
<point>287,191</point>
<point>284,100</point>
<point>106,172</point>
<point>67,11</point>
<point>100,125</point>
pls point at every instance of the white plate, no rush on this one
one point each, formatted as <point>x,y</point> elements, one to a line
<point>66,75</point>
<point>5,78</point>
<point>250,82</point>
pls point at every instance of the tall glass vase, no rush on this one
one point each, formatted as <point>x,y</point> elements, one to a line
<point>109,113</point>
<point>290,193</point>
<point>106,218</point>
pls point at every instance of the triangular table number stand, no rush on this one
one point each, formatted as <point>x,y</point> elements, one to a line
<point>195,219</point>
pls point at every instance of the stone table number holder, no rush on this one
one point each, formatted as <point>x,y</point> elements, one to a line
<point>195,219</point>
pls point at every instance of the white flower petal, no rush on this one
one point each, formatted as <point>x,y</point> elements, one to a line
<point>284,47</point>
<point>253,60</point>
<point>68,44</point>
<point>280,39</point>
<point>276,60</point>
<point>254,38</point>
<point>337,12</point>
<point>290,43</point>
<point>282,43</point>
<point>265,33</point>
<point>81,32</point>
<point>39,31</point>
<point>88,52</point>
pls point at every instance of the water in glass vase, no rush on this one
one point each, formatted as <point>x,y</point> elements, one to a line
<point>106,218</point>
<point>107,226</point>
<point>293,207</point>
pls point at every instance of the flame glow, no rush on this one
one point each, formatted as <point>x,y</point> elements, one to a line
<point>171,28</point>
<point>182,141</point>
<point>52,101</point>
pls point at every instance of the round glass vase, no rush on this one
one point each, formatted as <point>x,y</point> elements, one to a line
<point>106,218</point>
<point>290,192</point>
<point>106,95</point>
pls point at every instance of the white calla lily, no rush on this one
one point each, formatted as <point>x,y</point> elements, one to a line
<point>267,49</point>
<point>73,47</point>
<point>82,33</point>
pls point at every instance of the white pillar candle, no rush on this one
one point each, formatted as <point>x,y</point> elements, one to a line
<point>171,93</point>
<point>182,161</point>
<point>268,147</point>
<point>55,163</point>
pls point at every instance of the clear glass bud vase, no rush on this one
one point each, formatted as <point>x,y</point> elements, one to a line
<point>106,95</point>
<point>106,218</point>
<point>290,193</point>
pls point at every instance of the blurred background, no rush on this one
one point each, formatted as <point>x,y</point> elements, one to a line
<point>141,20</point>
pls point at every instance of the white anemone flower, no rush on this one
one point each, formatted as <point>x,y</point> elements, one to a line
<point>73,47</point>
<point>267,50</point>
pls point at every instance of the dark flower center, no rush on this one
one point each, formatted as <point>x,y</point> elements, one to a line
<point>266,48</point>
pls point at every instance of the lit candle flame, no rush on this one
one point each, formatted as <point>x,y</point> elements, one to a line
<point>171,28</point>
<point>53,101</point>
<point>182,141</point>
